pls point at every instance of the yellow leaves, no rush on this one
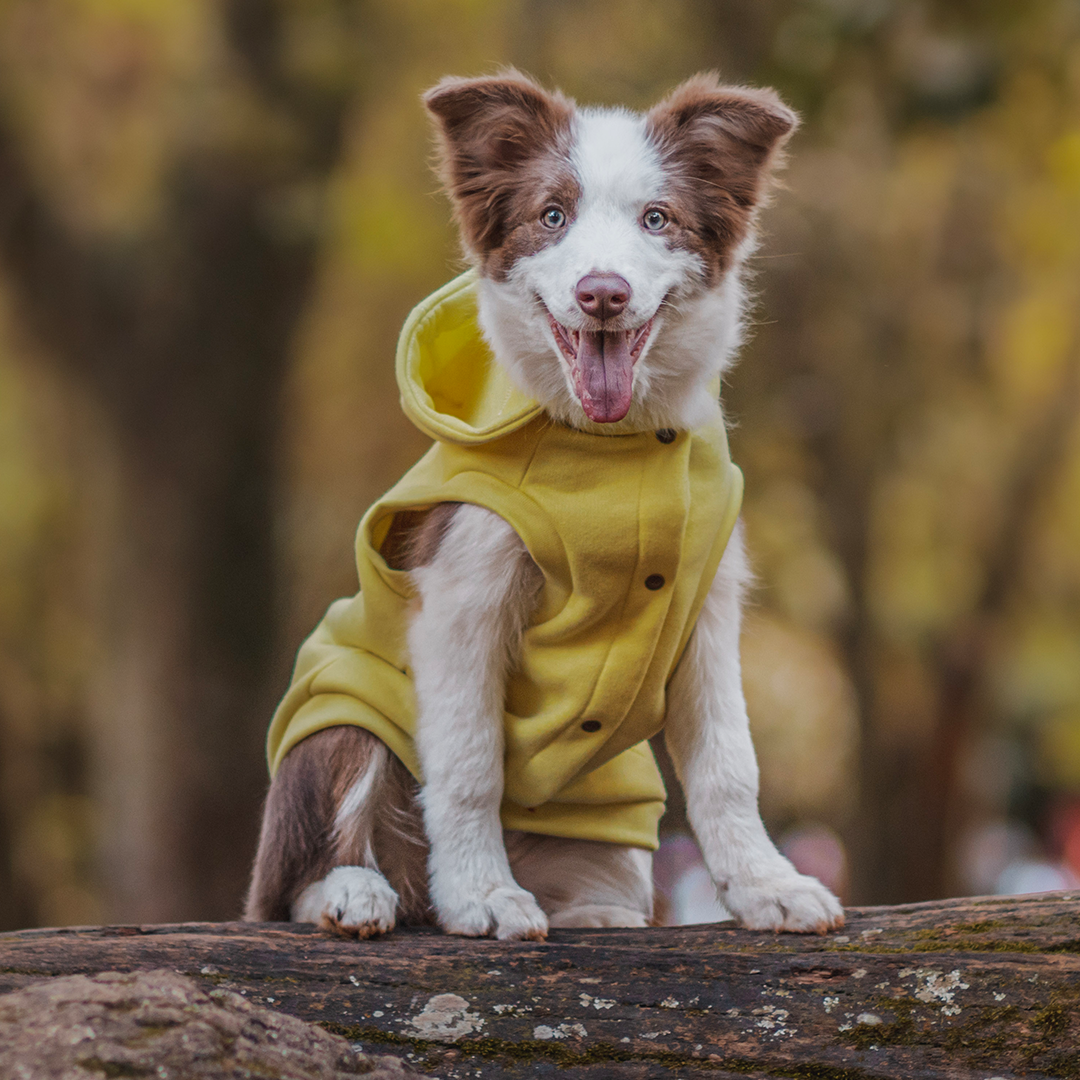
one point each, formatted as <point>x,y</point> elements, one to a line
<point>1059,749</point>
<point>422,40</point>
<point>1063,160</point>
<point>1042,226</point>
<point>166,14</point>
<point>805,579</point>
<point>917,193</point>
<point>918,580</point>
<point>627,54</point>
<point>25,491</point>
<point>96,90</point>
<point>1064,525</point>
<point>432,13</point>
<point>934,515</point>
<point>1041,202</point>
<point>803,718</point>
<point>806,40</point>
<point>320,42</point>
<point>52,847</point>
<point>1039,671</point>
<point>1038,330</point>
<point>387,229</point>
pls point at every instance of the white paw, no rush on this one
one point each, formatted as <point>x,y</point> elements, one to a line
<point>350,900</point>
<point>786,900</point>
<point>508,911</point>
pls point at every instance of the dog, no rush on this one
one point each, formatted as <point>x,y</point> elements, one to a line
<point>465,741</point>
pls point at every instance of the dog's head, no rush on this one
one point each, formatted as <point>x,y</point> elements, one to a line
<point>609,243</point>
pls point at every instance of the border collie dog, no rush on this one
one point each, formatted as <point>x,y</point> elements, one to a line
<point>465,741</point>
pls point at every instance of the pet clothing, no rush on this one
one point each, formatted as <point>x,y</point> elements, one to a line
<point>627,530</point>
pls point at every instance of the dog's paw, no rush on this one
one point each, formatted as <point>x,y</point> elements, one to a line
<point>784,901</point>
<point>351,901</point>
<point>508,912</point>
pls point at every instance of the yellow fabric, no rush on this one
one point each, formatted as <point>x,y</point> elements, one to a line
<point>599,514</point>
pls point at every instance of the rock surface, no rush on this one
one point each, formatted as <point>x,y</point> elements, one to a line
<point>951,990</point>
<point>161,1025</point>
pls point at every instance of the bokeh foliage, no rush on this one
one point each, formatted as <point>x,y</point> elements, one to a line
<point>905,411</point>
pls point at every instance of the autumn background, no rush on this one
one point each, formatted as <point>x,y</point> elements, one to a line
<point>214,216</point>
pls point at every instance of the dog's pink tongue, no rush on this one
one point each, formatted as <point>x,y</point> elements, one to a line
<point>607,375</point>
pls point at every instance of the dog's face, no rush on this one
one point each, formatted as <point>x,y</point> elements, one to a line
<point>609,243</point>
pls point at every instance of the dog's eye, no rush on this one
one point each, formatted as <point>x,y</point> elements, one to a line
<point>654,220</point>
<point>553,218</point>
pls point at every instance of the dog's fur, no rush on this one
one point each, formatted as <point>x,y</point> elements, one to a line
<point>546,195</point>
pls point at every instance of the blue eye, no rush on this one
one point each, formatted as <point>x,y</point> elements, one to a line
<point>654,220</point>
<point>553,218</point>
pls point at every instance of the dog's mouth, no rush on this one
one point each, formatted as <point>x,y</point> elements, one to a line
<point>602,367</point>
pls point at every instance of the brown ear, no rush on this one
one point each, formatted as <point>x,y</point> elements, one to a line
<point>487,129</point>
<point>721,143</point>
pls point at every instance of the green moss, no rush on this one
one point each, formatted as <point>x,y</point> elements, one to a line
<point>370,1033</point>
<point>566,1057</point>
<point>973,1037</point>
<point>1053,1019</point>
<point>214,978</point>
<point>1071,946</point>
<point>898,1032</point>
<point>966,945</point>
<point>1065,1066</point>
<point>599,1053</point>
<point>820,1072</point>
<point>942,944</point>
<point>111,1068</point>
<point>903,1030</point>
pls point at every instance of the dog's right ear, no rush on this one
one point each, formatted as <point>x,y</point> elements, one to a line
<point>487,130</point>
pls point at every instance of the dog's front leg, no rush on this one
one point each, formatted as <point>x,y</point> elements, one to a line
<point>475,597</point>
<point>708,735</point>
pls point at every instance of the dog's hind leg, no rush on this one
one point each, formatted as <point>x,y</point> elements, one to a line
<point>583,882</point>
<point>338,802</point>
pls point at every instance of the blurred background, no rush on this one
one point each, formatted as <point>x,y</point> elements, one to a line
<point>214,216</point>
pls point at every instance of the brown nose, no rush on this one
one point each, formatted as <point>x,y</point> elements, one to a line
<point>603,296</point>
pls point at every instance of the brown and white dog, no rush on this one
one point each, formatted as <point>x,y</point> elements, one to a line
<point>610,247</point>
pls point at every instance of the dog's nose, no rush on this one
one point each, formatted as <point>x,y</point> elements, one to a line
<point>603,296</point>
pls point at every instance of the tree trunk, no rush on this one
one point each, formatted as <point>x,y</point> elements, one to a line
<point>957,989</point>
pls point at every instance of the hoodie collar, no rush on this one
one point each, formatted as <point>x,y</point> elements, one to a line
<point>451,386</point>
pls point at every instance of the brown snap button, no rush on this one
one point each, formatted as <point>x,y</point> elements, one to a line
<point>654,582</point>
<point>591,725</point>
<point>666,435</point>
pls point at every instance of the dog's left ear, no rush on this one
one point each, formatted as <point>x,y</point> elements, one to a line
<point>723,143</point>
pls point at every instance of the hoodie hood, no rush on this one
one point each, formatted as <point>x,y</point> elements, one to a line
<point>451,387</point>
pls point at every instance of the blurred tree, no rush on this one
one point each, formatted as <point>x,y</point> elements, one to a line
<point>214,215</point>
<point>881,393</point>
<point>160,209</point>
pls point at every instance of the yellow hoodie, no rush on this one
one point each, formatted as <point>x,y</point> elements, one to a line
<point>627,530</point>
